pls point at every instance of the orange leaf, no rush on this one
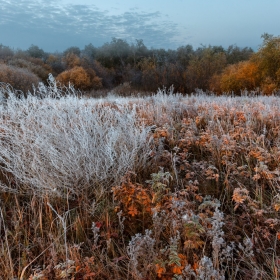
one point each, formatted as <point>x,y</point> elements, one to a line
<point>177,269</point>
<point>277,207</point>
<point>195,266</point>
<point>160,270</point>
<point>132,210</point>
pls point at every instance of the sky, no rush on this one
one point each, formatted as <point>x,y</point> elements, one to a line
<point>55,25</point>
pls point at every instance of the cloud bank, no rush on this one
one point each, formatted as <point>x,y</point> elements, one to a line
<point>53,26</point>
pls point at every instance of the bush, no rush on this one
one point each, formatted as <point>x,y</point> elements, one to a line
<point>62,154</point>
<point>80,78</point>
<point>18,78</point>
<point>34,65</point>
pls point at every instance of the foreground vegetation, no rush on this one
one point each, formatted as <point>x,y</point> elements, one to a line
<point>160,187</point>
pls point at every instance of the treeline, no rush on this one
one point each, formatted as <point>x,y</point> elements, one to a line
<point>211,68</point>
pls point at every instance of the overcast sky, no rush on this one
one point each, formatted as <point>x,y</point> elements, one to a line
<point>55,25</point>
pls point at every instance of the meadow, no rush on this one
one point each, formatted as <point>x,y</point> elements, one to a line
<point>166,186</point>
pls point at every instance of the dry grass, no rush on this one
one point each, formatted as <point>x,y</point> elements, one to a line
<point>160,187</point>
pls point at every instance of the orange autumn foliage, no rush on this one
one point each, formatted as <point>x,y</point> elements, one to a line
<point>72,60</point>
<point>167,272</point>
<point>240,76</point>
<point>261,71</point>
<point>134,198</point>
<point>80,78</point>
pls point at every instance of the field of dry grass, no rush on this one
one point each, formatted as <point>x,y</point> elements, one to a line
<point>158,187</point>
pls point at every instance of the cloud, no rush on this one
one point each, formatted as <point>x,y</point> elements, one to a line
<point>52,25</point>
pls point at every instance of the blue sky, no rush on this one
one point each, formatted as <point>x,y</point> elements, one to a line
<point>55,25</point>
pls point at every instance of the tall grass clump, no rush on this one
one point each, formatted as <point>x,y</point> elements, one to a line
<point>68,146</point>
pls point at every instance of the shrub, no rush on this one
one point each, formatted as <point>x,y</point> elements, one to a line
<point>20,79</point>
<point>34,65</point>
<point>80,78</point>
<point>107,75</point>
<point>69,142</point>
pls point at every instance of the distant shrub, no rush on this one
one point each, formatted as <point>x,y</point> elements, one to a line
<point>261,71</point>
<point>107,75</point>
<point>80,78</point>
<point>56,64</point>
<point>34,65</point>
<point>268,58</point>
<point>268,86</point>
<point>18,78</point>
<point>123,89</point>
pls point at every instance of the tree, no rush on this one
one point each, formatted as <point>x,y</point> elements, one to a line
<point>235,54</point>
<point>35,51</point>
<point>240,76</point>
<point>150,75</point>
<point>184,55</point>
<point>202,66</point>
<point>107,75</point>
<point>55,62</point>
<point>114,54</point>
<point>5,53</point>
<point>268,60</point>
<point>71,60</point>
<point>171,74</point>
<point>74,50</point>
<point>89,52</point>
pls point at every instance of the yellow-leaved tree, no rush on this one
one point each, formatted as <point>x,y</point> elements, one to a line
<point>268,60</point>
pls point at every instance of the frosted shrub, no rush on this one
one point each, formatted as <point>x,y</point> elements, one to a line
<point>141,254</point>
<point>217,234</point>
<point>66,144</point>
<point>95,229</point>
<point>206,270</point>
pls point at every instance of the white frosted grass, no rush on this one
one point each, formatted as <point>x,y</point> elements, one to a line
<point>52,141</point>
<point>55,146</point>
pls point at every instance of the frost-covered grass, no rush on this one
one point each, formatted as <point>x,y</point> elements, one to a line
<point>158,187</point>
<point>61,145</point>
